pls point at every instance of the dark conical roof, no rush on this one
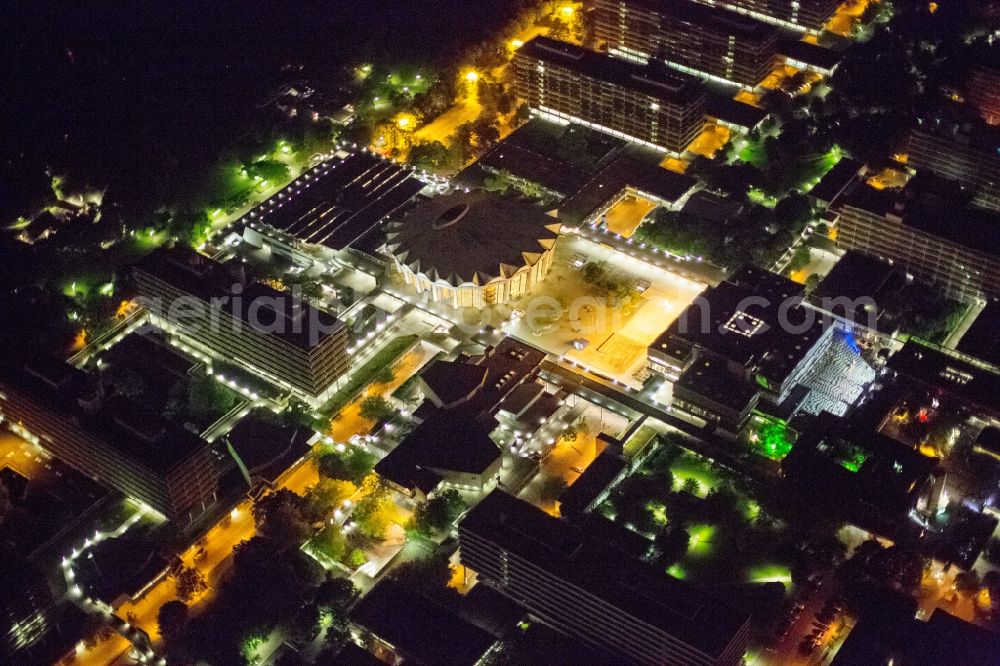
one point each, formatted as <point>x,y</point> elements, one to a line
<point>472,237</point>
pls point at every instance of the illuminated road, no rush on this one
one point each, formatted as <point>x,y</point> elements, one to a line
<point>444,125</point>
<point>218,542</point>
<point>351,422</point>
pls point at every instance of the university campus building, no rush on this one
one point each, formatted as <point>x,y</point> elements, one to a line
<point>654,107</point>
<point>266,331</point>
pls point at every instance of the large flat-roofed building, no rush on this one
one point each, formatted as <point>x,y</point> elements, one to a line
<point>656,108</point>
<point>802,15</point>
<point>753,327</point>
<point>967,152</point>
<point>689,36</point>
<point>269,332</point>
<point>452,445</point>
<point>934,240</point>
<point>949,373</point>
<point>335,204</point>
<point>588,590</point>
<point>108,438</point>
<point>473,249</point>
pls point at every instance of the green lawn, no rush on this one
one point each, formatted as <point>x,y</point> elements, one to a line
<point>691,466</point>
<point>366,373</point>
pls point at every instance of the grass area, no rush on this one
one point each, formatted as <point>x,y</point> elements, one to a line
<point>702,540</point>
<point>364,375</point>
<point>638,441</point>
<point>769,573</point>
<point>690,467</point>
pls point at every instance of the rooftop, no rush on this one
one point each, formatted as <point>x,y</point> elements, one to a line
<point>845,466</point>
<point>837,179</point>
<point>943,640</point>
<point>419,629</point>
<point>629,585</point>
<point>453,381</point>
<point>734,112</point>
<point>265,445</point>
<point>274,312</point>
<point>742,320</point>
<point>980,341</point>
<point>472,237</point>
<point>657,82</point>
<point>711,380</point>
<point>710,18</point>
<point>949,372</point>
<point>601,473</point>
<point>926,212</point>
<point>957,124</point>
<point>338,201</point>
<point>626,171</point>
<point>854,277</point>
<point>812,54</point>
<point>449,440</point>
<point>134,431</point>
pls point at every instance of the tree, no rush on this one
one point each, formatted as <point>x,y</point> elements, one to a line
<point>800,259</point>
<point>351,465</point>
<point>551,488</point>
<point>376,408</point>
<point>672,544</point>
<point>429,577</point>
<point>336,595</point>
<point>439,512</point>
<point>273,172</point>
<point>430,156</point>
<point>497,181</point>
<point>992,551</point>
<point>331,542</point>
<point>280,516</point>
<point>190,583</point>
<point>812,282</point>
<point>385,376</point>
<point>189,227</point>
<point>967,582</point>
<point>373,516</point>
<point>171,619</point>
<point>207,398</point>
<point>691,486</point>
<point>324,496</point>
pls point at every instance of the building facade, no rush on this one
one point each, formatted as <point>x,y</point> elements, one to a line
<point>801,15</point>
<point>473,249</point>
<point>570,84</point>
<point>983,92</point>
<point>967,153</point>
<point>268,332</point>
<point>700,40</point>
<point>547,566</point>
<point>955,254</point>
<point>110,440</point>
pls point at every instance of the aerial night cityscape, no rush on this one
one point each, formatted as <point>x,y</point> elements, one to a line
<point>500,333</point>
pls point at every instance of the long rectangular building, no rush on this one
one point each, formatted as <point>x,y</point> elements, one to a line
<point>711,43</point>
<point>592,592</point>
<point>965,152</point>
<point>953,248</point>
<point>269,332</point>
<point>634,102</point>
<point>108,438</point>
<point>335,203</point>
<point>800,15</point>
